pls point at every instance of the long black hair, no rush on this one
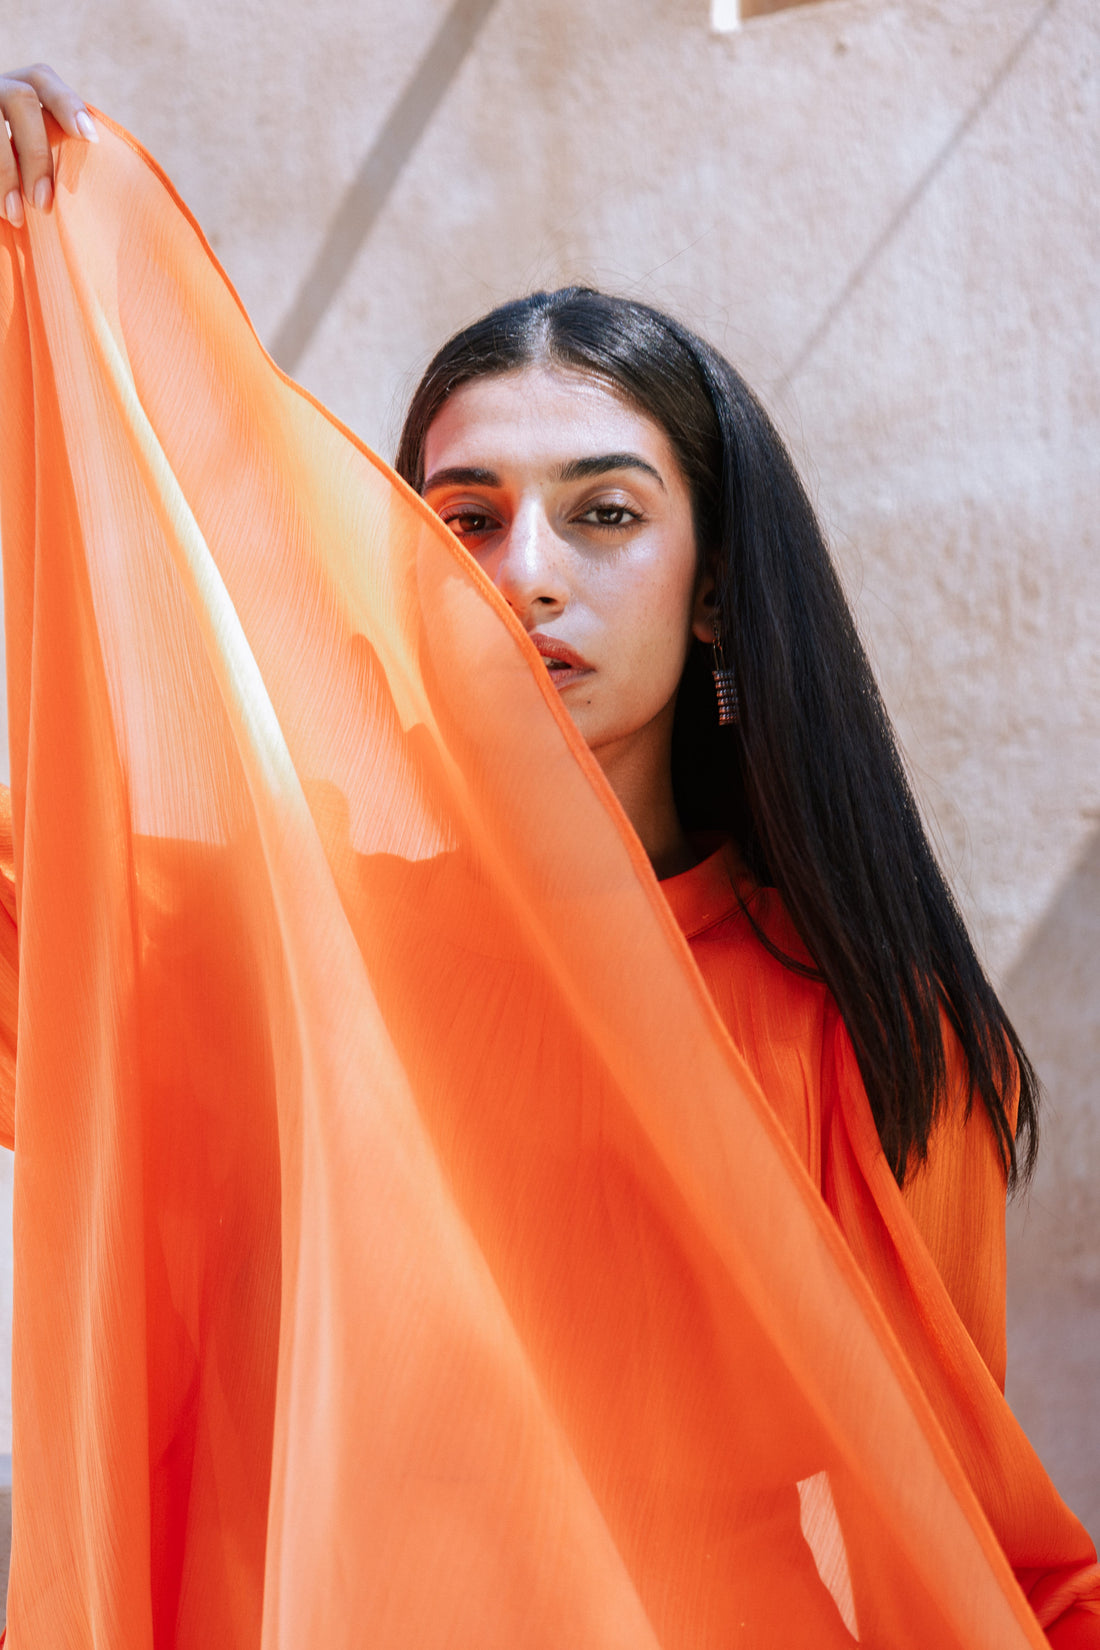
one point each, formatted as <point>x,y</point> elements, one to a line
<point>810,783</point>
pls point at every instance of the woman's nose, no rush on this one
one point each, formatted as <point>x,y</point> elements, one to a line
<point>529,568</point>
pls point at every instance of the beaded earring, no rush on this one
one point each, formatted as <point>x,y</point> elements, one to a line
<point>725,686</point>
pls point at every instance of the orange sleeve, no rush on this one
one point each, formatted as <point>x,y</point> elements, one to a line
<point>957,1202</point>
<point>954,1204</point>
<point>9,972</point>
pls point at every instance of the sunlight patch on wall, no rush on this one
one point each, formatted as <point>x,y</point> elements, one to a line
<point>727,15</point>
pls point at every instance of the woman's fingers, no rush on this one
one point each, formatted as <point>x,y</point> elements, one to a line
<point>26,163</point>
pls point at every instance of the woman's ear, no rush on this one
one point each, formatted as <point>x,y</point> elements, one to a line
<point>704,614</point>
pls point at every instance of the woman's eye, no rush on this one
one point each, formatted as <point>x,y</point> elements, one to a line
<point>468,523</point>
<point>609,515</point>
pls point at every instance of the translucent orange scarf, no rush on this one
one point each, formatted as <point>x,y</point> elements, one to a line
<point>405,1256</point>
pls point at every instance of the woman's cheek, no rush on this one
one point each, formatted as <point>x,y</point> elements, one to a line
<point>644,638</point>
<point>646,678</point>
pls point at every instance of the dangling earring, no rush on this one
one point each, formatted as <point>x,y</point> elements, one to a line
<point>725,686</point>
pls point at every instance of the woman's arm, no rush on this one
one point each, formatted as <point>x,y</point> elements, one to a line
<point>9,972</point>
<point>27,96</point>
<point>26,162</point>
<point>957,1202</point>
<point>933,1253</point>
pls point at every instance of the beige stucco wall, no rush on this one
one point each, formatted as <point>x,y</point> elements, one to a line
<point>883,210</point>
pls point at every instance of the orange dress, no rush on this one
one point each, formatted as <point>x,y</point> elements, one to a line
<point>406,1254</point>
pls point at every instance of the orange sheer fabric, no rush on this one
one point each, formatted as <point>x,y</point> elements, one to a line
<point>405,1254</point>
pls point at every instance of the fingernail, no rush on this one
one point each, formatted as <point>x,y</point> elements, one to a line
<point>13,208</point>
<point>43,194</point>
<point>85,125</point>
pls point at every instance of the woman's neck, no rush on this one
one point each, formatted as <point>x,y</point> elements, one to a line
<point>639,771</point>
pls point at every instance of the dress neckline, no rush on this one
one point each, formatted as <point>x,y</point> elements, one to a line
<point>710,891</point>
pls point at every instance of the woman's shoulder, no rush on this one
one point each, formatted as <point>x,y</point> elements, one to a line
<point>724,912</point>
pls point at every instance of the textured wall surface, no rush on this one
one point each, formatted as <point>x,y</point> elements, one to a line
<point>883,211</point>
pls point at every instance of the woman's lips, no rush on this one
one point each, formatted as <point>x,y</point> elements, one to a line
<point>564,664</point>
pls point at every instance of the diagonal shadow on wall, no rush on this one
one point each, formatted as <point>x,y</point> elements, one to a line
<point>915,194</point>
<point>372,185</point>
<point>1054,1229</point>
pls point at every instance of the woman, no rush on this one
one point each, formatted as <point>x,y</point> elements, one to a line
<point>631,504</point>
<point>618,482</point>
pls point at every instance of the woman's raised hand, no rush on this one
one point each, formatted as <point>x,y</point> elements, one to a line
<point>26,164</point>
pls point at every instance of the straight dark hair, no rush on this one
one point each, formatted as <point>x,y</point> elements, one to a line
<point>810,783</point>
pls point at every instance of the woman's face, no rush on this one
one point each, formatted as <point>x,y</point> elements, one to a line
<point>574,504</point>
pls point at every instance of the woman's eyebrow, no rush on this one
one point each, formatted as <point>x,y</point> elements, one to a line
<point>575,469</point>
<point>579,469</point>
<point>461,475</point>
